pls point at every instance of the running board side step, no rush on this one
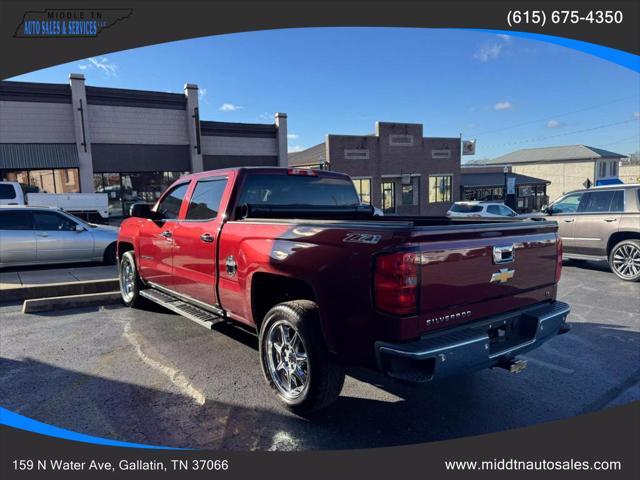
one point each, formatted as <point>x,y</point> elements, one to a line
<point>193,313</point>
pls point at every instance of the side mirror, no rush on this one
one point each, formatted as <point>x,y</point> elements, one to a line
<point>141,210</point>
<point>79,228</point>
<point>547,210</point>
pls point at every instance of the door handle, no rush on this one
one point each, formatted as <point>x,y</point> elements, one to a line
<point>206,237</point>
<point>43,234</point>
<point>569,220</point>
<point>609,219</point>
<point>166,234</point>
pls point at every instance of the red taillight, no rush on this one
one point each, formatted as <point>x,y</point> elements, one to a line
<point>395,283</point>
<point>558,259</point>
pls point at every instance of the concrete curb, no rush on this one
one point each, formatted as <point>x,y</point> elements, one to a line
<point>36,305</point>
<point>59,289</point>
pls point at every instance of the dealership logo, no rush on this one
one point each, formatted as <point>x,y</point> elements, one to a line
<point>68,23</point>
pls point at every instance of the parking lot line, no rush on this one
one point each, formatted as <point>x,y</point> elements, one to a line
<point>175,375</point>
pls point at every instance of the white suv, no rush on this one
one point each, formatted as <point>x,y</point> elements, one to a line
<point>480,209</point>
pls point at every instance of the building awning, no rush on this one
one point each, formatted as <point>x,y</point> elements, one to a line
<point>608,181</point>
<point>23,156</point>
<point>484,179</point>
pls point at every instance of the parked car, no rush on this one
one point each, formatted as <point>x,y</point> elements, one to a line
<point>325,283</point>
<point>91,207</point>
<point>42,235</point>
<point>601,223</point>
<point>477,209</point>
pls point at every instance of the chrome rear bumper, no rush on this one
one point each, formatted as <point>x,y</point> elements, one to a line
<point>483,344</point>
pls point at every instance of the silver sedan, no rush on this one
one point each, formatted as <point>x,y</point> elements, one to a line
<point>38,236</point>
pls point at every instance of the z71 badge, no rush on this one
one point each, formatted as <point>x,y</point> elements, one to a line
<point>362,238</point>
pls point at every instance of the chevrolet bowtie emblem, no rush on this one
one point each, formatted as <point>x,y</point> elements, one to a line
<point>503,276</point>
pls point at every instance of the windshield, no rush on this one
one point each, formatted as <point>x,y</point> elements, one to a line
<point>298,190</point>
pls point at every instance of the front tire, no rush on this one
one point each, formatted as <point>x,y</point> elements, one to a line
<point>624,260</point>
<point>295,360</point>
<point>130,282</point>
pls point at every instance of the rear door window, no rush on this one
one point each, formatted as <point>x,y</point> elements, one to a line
<point>15,220</point>
<point>7,192</point>
<point>169,206</point>
<point>205,200</point>
<point>597,202</point>
<point>617,204</point>
<point>493,210</point>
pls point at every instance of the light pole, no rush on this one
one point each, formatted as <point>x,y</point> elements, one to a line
<point>505,170</point>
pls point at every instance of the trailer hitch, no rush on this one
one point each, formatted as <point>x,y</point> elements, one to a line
<point>513,365</point>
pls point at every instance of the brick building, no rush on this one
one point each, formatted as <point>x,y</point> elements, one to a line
<point>129,144</point>
<point>396,169</point>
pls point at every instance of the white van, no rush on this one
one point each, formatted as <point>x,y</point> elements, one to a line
<point>91,207</point>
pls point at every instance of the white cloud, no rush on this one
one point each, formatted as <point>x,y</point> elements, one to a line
<point>488,51</point>
<point>230,107</point>
<point>492,49</point>
<point>553,124</point>
<point>102,64</point>
<point>293,136</point>
<point>503,105</point>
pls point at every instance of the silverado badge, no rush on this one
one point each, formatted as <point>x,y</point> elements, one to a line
<point>503,276</point>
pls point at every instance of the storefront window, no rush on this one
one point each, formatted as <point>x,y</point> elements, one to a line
<point>363,187</point>
<point>125,189</point>
<point>389,197</point>
<point>410,192</point>
<point>59,180</point>
<point>439,188</point>
<point>43,179</point>
<point>67,180</point>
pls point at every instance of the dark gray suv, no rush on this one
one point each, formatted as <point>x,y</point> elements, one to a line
<point>601,223</point>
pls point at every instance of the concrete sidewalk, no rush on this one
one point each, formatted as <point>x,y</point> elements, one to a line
<point>23,283</point>
<point>13,278</point>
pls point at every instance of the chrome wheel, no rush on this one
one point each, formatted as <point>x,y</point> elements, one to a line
<point>127,280</point>
<point>287,359</point>
<point>626,261</point>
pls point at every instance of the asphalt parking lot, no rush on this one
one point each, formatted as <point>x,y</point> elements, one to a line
<point>153,377</point>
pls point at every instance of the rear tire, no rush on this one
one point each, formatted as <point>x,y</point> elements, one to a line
<point>130,282</point>
<point>624,260</point>
<point>110,256</point>
<point>295,360</point>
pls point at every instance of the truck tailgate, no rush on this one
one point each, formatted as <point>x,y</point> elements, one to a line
<point>456,273</point>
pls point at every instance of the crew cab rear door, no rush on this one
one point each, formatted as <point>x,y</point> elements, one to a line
<point>598,217</point>
<point>195,240</point>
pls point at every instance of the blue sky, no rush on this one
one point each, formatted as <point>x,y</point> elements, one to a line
<point>507,92</point>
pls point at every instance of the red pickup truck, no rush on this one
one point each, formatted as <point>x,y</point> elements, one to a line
<point>293,255</point>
